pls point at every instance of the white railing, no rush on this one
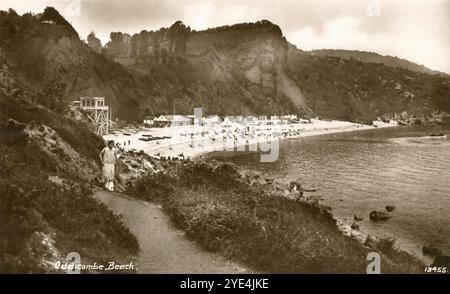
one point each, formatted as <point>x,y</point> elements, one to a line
<point>94,107</point>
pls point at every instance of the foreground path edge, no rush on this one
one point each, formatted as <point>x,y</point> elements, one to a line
<point>163,249</point>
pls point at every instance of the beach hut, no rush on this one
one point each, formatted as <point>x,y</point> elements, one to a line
<point>251,120</point>
<point>274,120</point>
<point>193,119</point>
<point>211,120</point>
<point>161,121</point>
<point>289,118</point>
<point>262,120</point>
<point>171,121</point>
<point>304,121</point>
<point>148,120</point>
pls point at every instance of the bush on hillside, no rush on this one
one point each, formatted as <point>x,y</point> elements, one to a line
<point>216,208</point>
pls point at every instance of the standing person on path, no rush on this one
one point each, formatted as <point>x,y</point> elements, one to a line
<point>108,156</point>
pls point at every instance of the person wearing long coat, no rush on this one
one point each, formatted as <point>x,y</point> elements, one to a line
<point>108,156</point>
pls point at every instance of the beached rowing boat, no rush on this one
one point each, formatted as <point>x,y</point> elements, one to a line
<point>434,137</point>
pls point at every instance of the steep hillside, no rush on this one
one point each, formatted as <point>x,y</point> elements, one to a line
<point>372,57</point>
<point>49,163</point>
<point>359,91</point>
<point>254,65</point>
<point>229,70</point>
<point>44,48</point>
<point>241,69</point>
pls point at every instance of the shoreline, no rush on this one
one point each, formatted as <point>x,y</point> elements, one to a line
<point>343,226</point>
<point>344,222</point>
<point>241,194</point>
<point>196,141</point>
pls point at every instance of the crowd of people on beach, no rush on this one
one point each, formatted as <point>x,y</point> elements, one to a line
<point>194,140</point>
<point>201,137</point>
<point>236,135</point>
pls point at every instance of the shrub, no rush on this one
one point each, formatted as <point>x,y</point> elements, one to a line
<point>30,203</point>
<point>217,209</point>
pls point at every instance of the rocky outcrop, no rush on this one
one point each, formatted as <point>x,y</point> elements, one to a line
<point>432,250</point>
<point>241,64</point>
<point>376,216</point>
<point>94,43</point>
<point>257,69</point>
<point>390,208</point>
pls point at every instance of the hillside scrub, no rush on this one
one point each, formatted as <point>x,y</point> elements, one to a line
<point>46,204</point>
<point>215,207</point>
<point>78,134</point>
<point>41,220</point>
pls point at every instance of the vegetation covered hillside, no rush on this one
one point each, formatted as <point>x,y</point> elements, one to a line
<point>240,69</point>
<point>245,218</point>
<point>254,65</point>
<point>42,48</point>
<point>49,163</point>
<point>358,91</point>
<point>372,57</point>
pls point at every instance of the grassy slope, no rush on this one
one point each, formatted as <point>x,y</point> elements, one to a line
<point>224,214</point>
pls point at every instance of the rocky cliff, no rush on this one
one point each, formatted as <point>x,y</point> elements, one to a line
<point>42,48</point>
<point>240,69</point>
<point>252,68</point>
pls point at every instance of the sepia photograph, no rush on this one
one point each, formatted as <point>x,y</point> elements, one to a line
<point>236,138</point>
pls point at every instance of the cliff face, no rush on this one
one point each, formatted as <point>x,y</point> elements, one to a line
<point>362,91</point>
<point>251,68</point>
<point>40,49</point>
<point>232,70</point>
<point>228,70</point>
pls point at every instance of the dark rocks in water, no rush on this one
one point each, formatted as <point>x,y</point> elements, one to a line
<point>355,227</point>
<point>268,181</point>
<point>357,218</point>
<point>441,261</point>
<point>431,250</point>
<point>390,208</point>
<point>379,216</point>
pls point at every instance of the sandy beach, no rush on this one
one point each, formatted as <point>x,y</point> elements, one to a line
<point>194,140</point>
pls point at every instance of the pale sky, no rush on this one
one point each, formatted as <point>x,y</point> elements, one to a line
<point>417,30</point>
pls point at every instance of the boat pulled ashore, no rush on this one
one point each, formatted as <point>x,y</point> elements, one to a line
<point>439,136</point>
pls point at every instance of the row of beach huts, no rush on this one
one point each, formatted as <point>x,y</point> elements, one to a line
<point>184,120</point>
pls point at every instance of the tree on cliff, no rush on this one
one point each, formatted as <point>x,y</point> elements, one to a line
<point>51,14</point>
<point>120,44</point>
<point>178,33</point>
<point>94,42</point>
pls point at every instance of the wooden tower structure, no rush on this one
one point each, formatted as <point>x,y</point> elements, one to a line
<point>97,112</point>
